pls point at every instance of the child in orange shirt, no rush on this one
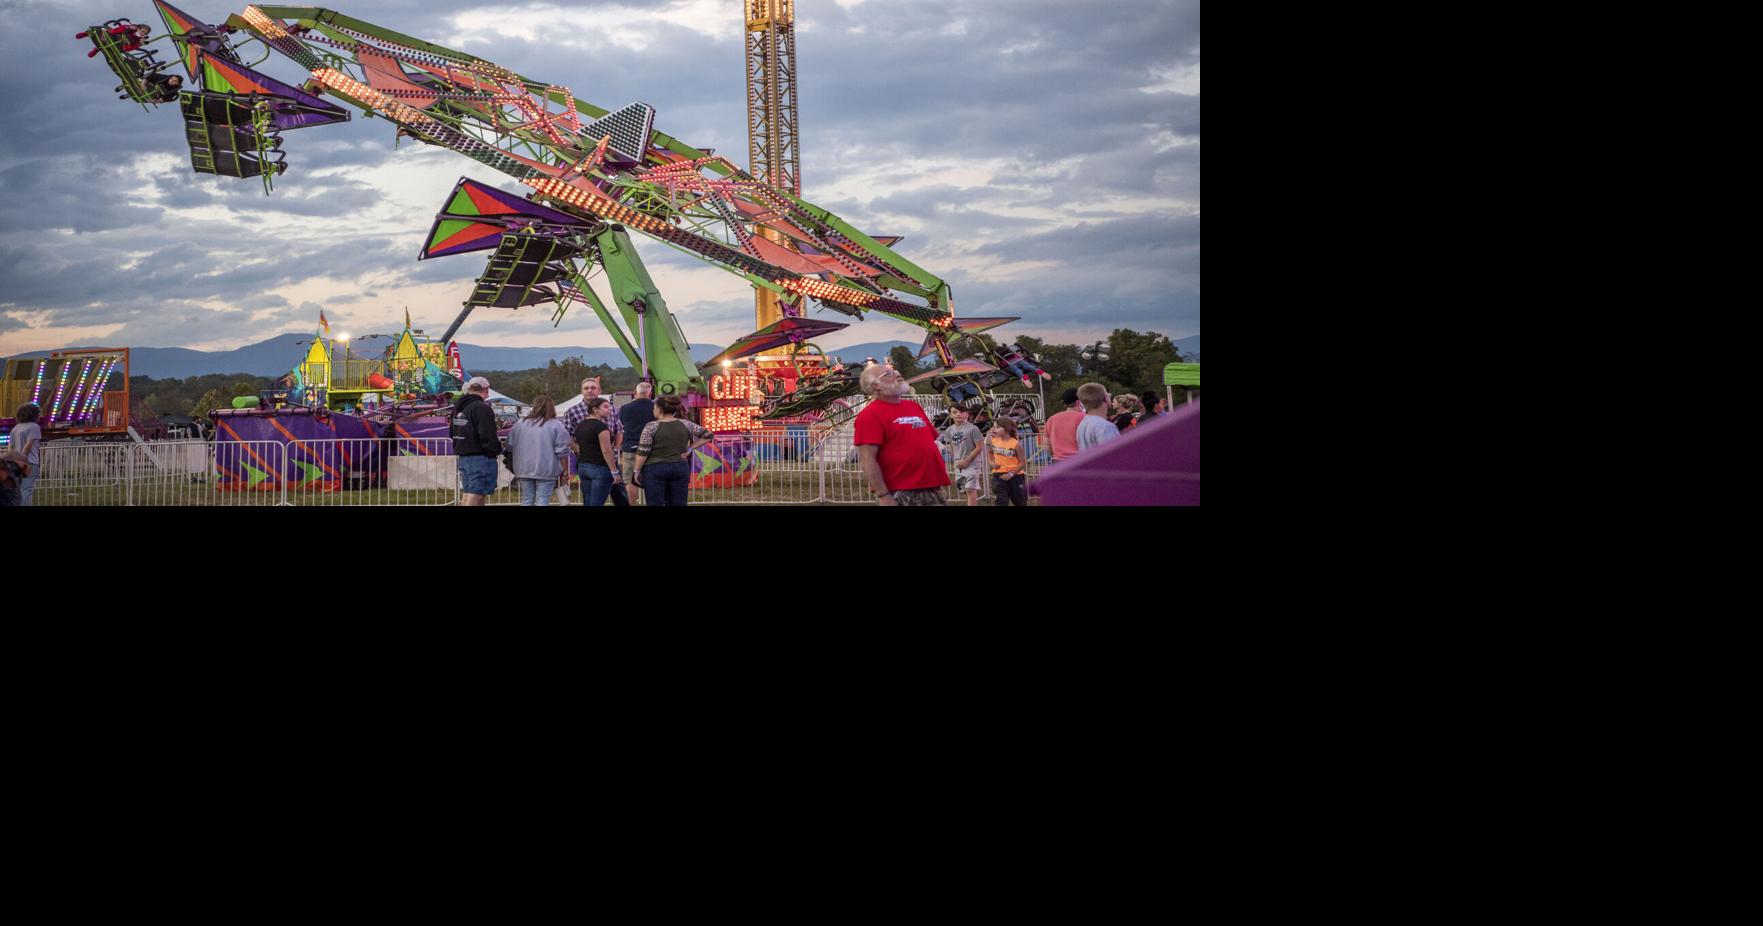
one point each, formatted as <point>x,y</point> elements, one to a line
<point>1009,479</point>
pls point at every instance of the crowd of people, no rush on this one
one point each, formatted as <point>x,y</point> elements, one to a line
<point>646,446</point>
<point>618,454</point>
<point>903,455</point>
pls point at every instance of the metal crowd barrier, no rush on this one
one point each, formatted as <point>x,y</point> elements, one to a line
<point>340,472</point>
<point>775,467</point>
<point>809,468</point>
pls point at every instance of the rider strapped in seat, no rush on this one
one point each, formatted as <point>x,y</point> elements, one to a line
<point>129,36</point>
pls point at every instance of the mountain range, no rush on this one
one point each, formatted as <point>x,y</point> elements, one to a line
<point>283,352</point>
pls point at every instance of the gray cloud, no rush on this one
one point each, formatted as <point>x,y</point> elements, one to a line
<point>1053,91</point>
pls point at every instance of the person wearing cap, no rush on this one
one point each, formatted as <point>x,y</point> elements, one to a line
<point>897,444</point>
<point>1062,428</point>
<point>475,442</point>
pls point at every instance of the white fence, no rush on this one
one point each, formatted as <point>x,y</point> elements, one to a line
<point>342,472</point>
<point>778,466</point>
<point>807,467</point>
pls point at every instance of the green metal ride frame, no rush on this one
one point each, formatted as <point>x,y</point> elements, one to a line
<point>132,68</point>
<point>582,160</point>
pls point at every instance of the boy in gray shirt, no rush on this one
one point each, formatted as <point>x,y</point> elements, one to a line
<point>965,442</point>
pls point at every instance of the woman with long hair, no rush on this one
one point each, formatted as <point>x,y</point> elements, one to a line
<point>539,446</point>
<point>669,441</point>
<point>594,456</point>
<point>1008,454</point>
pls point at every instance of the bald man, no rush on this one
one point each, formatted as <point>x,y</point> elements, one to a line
<point>634,417</point>
<point>896,443</point>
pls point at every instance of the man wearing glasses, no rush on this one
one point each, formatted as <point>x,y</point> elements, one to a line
<point>897,444</point>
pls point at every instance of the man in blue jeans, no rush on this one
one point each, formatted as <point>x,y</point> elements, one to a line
<point>475,442</point>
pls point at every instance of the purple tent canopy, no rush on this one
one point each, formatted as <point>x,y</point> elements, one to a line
<point>1157,463</point>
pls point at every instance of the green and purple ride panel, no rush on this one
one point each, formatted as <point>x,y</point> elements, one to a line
<point>724,463</point>
<point>478,215</point>
<point>310,457</point>
<point>424,436</point>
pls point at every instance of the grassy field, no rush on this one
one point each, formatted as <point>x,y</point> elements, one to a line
<point>843,486</point>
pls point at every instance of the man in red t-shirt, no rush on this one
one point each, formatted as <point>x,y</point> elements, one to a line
<point>1062,428</point>
<point>897,444</point>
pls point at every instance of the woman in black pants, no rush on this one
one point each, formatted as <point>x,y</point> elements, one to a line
<point>664,454</point>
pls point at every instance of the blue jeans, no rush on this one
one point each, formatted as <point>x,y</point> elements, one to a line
<point>477,475</point>
<point>25,487</point>
<point>664,484</point>
<point>536,492</point>
<point>596,483</point>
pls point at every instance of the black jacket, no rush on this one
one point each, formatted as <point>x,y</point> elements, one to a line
<point>474,427</point>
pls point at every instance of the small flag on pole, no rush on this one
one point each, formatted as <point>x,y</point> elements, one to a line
<point>406,316</point>
<point>324,322</point>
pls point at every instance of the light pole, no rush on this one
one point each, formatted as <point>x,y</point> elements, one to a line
<point>1097,352</point>
<point>1041,385</point>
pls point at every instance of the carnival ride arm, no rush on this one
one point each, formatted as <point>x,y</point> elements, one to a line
<point>534,132</point>
<point>870,456</point>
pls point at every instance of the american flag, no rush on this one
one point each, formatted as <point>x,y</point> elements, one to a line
<point>568,289</point>
<point>323,322</point>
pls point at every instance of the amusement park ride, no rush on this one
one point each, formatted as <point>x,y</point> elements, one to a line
<point>592,178</point>
<point>72,388</point>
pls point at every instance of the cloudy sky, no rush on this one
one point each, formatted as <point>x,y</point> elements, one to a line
<point>1043,156</point>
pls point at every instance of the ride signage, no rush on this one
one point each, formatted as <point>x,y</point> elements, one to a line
<point>731,407</point>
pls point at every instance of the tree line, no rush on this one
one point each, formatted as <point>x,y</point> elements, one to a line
<point>1135,364</point>
<point>196,396</point>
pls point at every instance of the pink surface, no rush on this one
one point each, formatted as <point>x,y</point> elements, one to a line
<point>1153,464</point>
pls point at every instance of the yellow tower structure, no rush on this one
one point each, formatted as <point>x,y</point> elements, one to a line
<point>774,153</point>
<point>316,371</point>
